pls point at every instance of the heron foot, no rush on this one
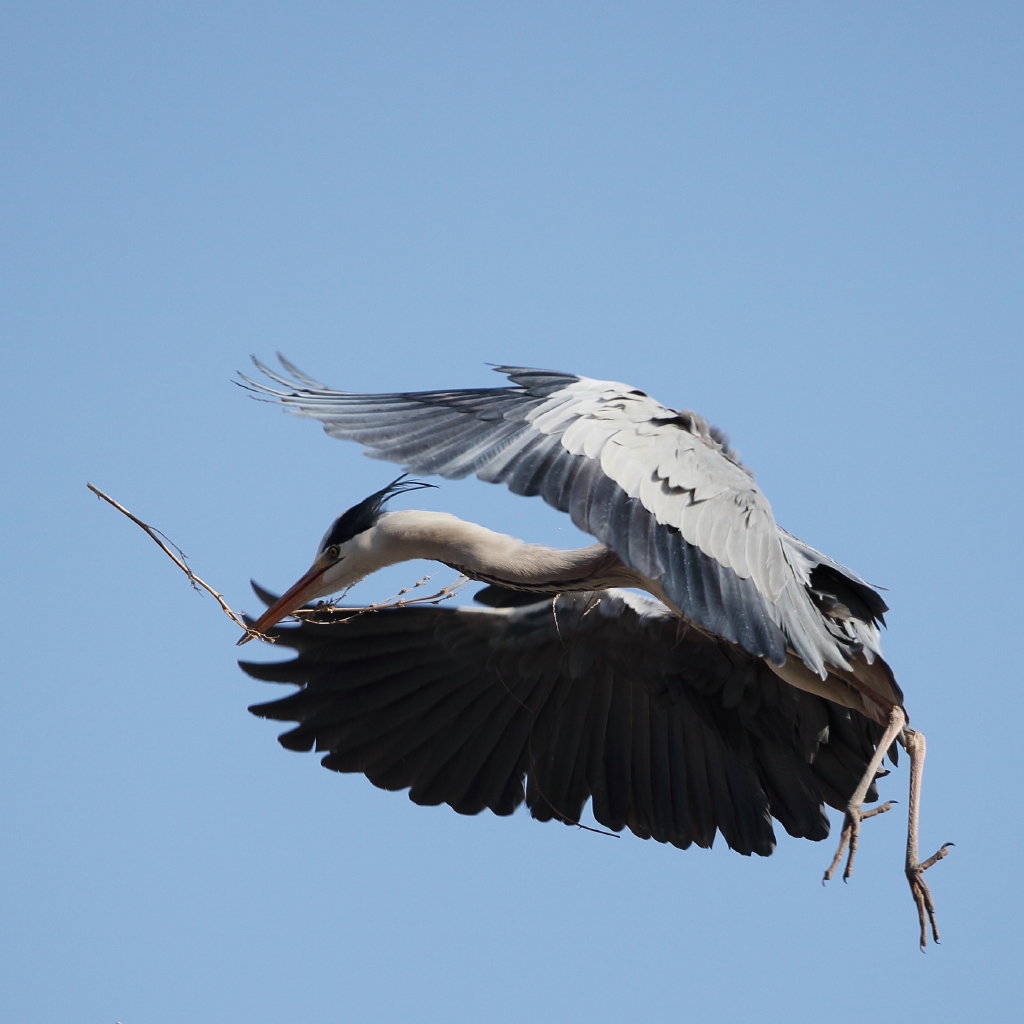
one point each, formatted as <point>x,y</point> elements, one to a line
<point>923,896</point>
<point>850,835</point>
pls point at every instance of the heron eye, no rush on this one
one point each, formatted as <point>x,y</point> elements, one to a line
<point>333,552</point>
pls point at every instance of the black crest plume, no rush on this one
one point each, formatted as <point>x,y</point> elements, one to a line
<point>362,516</point>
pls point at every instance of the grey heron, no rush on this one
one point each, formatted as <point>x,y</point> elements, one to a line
<point>748,685</point>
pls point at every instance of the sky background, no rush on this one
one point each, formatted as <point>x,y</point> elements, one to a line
<point>803,220</point>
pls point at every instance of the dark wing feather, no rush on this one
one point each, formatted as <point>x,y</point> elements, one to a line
<point>604,697</point>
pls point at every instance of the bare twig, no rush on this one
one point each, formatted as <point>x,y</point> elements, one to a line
<point>180,560</point>
<point>327,614</point>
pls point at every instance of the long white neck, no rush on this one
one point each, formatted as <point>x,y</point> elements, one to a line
<point>488,556</point>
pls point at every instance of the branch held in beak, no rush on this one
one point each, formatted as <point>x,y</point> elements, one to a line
<point>305,588</point>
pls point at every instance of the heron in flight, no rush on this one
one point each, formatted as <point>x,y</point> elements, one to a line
<point>747,684</point>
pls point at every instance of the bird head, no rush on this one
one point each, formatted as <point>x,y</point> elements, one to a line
<point>340,557</point>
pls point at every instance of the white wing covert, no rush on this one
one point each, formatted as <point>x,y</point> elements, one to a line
<point>660,487</point>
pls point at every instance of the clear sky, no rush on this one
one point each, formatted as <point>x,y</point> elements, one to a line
<point>801,219</point>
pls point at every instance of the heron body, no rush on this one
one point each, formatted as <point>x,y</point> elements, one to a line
<point>763,650</point>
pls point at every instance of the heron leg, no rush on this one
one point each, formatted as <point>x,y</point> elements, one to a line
<point>915,868</point>
<point>854,814</point>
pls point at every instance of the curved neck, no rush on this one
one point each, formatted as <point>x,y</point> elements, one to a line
<point>492,557</point>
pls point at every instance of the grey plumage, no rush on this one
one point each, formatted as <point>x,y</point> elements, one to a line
<point>657,486</point>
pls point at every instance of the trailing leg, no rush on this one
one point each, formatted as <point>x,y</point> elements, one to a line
<point>915,745</point>
<point>854,813</point>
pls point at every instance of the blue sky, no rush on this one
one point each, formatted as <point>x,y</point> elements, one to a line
<point>801,219</point>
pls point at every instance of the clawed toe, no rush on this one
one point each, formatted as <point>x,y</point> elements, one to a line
<point>923,896</point>
<point>849,837</point>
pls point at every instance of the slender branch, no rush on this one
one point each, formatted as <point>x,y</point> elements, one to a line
<point>328,614</point>
<point>180,560</point>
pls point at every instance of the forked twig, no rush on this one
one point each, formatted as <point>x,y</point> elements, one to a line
<point>180,560</point>
<point>327,614</point>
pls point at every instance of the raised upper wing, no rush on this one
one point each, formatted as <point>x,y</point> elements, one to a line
<point>660,487</point>
<point>604,697</point>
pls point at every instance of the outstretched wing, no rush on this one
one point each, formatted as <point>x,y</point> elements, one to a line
<point>658,486</point>
<point>605,697</point>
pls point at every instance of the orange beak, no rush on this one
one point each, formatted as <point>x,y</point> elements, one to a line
<point>294,597</point>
